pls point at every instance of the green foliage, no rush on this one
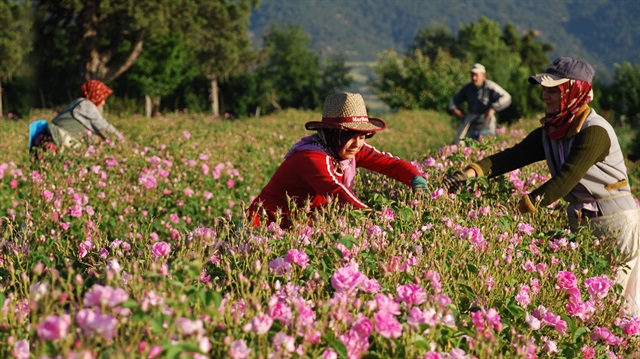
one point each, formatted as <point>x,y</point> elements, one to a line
<point>418,81</point>
<point>217,31</point>
<point>15,28</point>
<point>163,66</point>
<point>292,68</point>
<point>623,94</point>
<point>15,44</point>
<point>428,79</point>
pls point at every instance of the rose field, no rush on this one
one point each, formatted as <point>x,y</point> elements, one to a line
<point>141,250</point>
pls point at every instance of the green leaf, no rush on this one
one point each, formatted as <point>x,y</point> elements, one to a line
<point>515,309</point>
<point>349,241</point>
<point>340,348</point>
<point>420,342</point>
<point>472,269</point>
<point>130,304</point>
<point>189,347</point>
<point>578,333</point>
<point>139,316</point>
<point>157,324</point>
<point>371,355</point>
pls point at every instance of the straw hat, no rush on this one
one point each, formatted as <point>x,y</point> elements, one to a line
<point>346,111</point>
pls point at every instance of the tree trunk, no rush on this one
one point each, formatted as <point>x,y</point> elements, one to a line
<point>151,105</point>
<point>215,105</point>
<point>99,65</point>
<point>156,104</point>
<point>148,106</point>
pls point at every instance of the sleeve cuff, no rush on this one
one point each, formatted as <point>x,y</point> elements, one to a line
<point>478,169</point>
<point>525,205</point>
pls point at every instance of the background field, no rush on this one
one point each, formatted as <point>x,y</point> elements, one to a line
<point>139,249</point>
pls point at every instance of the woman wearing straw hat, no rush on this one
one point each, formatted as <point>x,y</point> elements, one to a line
<point>323,165</point>
<point>586,164</point>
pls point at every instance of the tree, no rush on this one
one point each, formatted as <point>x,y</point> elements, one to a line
<point>15,44</point>
<point>433,39</point>
<point>623,94</point>
<point>413,82</point>
<point>334,76</point>
<point>106,37</point>
<point>292,69</point>
<point>428,80</point>
<point>165,63</point>
<point>218,30</point>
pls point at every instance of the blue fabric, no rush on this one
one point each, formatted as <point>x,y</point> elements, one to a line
<point>36,128</point>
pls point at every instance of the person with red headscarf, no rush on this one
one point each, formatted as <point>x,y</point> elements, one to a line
<point>81,121</point>
<point>586,164</point>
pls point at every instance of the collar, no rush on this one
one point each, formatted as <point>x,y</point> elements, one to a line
<point>578,120</point>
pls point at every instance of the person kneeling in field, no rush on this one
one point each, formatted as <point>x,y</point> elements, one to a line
<point>80,122</point>
<point>323,165</point>
<point>586,165</point>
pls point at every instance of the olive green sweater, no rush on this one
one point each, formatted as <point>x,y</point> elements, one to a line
<point>591,145</point>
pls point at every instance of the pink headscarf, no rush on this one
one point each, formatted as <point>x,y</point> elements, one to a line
<point>574,94</point>
<point>95,91</point>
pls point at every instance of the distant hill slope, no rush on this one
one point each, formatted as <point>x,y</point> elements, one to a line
<point>602,31</point>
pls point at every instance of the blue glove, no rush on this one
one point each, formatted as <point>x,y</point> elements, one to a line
<point>418,183</point>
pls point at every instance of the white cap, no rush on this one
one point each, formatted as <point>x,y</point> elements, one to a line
<point>478,68</point>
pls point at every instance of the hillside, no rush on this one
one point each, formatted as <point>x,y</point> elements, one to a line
<point>603,32</point>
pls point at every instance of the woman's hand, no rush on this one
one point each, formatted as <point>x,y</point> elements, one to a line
<point>454,182</point>
<point>418,184</point>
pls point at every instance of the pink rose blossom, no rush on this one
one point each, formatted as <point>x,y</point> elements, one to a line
<point>387,325</point>
<point>148,180</point>
<point>525,228</point>
<point>329,354</point>
<point>604,334</point>
<point>363,328</point>
<point>54,327</point>
<point>261,324</point>
<point>371,285</point>
<point>411,294</point>
<point>239,350</point>
<point>384,303</point>
<point>534,323</point>
<point>280,266</point>
<point>417,317</point>
<point>347,278</point>
<point>566,280</point>
<point>631,326</point>
<point>91,321</point>
<point>155,351</point>
<point>47,195</point>
<point>588,352</point>
<point>105,295</point>
<point>160,249</point>
<point>21,349</point>
<point>598,287</point>
<point>297,257</point>
<point>522,298</point>
<point>189,327</point>
<point>284,342</point>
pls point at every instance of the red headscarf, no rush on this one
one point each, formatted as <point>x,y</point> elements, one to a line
<point>95,91</point>
<point>573,94</point>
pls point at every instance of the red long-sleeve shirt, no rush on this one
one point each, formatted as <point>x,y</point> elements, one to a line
<point>312,175</point>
